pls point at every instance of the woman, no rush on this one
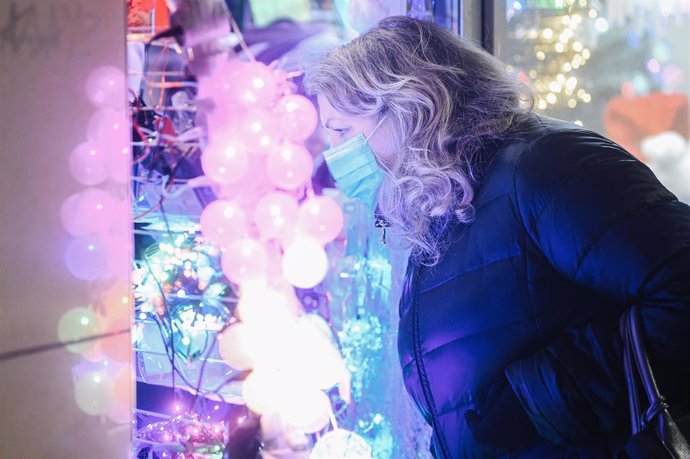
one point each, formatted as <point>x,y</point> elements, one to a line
<point>529,238</point>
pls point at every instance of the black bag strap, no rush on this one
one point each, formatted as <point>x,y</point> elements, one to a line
<point>630,374</point>
<point>635,358</point>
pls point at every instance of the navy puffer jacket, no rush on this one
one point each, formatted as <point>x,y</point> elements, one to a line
<point>569,231</point>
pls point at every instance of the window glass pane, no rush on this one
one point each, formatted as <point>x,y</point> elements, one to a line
<point>620,67</point>
<point>191,388</point>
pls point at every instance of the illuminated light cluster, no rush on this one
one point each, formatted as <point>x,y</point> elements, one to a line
<point>254,118</point>
<point>257,157</point>
<point>270,231</point>
<point>293,358</point>
<point>341,443</point>
<point>198,439</point>
<point>359,338</point>
<point>186,271</point>
<point>559,53</point>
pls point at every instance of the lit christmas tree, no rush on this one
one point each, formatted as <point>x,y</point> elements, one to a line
<point>559,35</point>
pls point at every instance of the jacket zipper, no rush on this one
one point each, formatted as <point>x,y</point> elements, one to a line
<point>421,373</point>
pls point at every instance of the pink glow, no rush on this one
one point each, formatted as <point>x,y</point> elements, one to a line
<point>297,117</point>
<point>105,87</point>
<point>289,166</point>
<point>108,128</point>
<point>86,258</point>
<point>259,131</point>
<point>87,163</point>
<point>276,215</point>
<point>223,222</point>
<point>225,160</point>
<point>87,212</point>
<point>248,84</point>
<point>321,218</point>
<point>245,260</point>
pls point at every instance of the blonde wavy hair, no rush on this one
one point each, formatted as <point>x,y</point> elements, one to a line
<point>446,99</point>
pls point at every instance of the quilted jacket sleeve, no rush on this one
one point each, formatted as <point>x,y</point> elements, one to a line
<point>602,219</point>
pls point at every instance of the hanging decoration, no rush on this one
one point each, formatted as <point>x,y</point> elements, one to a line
<point>254,294</point>
<point>291,359</point>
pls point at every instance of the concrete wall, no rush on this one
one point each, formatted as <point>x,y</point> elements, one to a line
<point>47,47</point>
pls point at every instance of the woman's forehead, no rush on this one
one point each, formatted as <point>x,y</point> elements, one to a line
<point>325,108</point>
<point>329,115</point>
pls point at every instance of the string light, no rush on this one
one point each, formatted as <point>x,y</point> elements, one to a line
<point>558,54</point>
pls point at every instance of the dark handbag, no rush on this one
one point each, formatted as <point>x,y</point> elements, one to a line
<point>656,433</point>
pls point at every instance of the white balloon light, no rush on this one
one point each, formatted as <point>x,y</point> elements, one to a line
<point>261,392</point>
<point>259,303</point>
<point>247,84</point>
<point>259,131</point>
<point>306,410</point>
<point>119,163</point>
<point>305,263</point>
<point>320,363</point>
<point>235,345</point>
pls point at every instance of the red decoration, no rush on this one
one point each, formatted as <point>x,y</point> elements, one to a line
<point>628,120</point>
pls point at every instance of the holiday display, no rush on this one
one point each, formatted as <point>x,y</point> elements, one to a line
<point>259,295</point>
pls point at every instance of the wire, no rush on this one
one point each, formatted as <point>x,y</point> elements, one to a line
<point>240,36</point>
<point>167,313</point>
<point>19,353</point>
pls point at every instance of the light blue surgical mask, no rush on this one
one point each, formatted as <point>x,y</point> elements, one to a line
<point>355,169</point>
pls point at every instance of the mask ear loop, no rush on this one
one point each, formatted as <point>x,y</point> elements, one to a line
<point>366,139</point>
<point>379,222</point>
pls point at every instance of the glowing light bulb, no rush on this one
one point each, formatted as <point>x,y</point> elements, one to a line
<point>305,263</point>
